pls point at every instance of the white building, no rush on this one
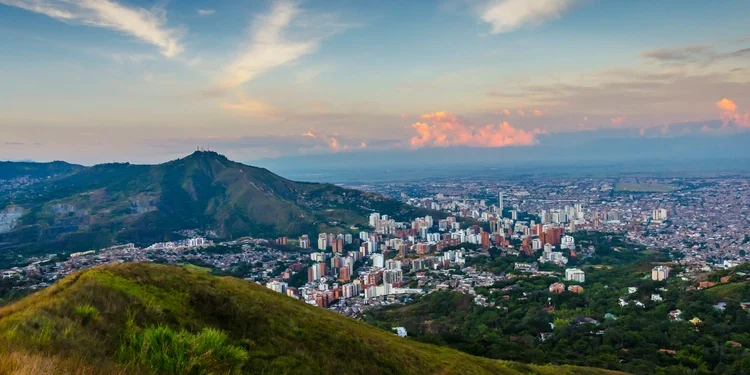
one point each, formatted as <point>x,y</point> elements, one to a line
<point>567,242</point>
<point>574,274</point>
<point>378,261</point>
<point>277,286</point>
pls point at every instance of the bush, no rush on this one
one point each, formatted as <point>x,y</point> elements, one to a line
<point>168,352</point>
<point>86,313</point>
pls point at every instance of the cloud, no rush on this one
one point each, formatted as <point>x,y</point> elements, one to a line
<point>539,113</point>
<point>147,25</point>
<point>506,112</point>
<point>677,54</point>
<point>444,129</point>
<point>508,15</point>
<point>251,107</point>
<point>702,55</point>
<point>618,121</point>
<point>730,114</point>
<point>270,45</point>
<point>206,12</point>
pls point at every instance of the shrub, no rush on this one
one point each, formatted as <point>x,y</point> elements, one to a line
<point>86,313</point>
<point>165,351</point>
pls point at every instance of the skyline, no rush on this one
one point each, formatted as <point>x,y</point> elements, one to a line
<point>95,80</point>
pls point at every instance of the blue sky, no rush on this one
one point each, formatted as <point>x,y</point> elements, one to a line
<point>96,80</point>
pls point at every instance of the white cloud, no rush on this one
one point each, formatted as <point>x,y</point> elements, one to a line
<point>206,12</point>
<point>508,15</point>
<point>270,45</point>
<point>148,25</point>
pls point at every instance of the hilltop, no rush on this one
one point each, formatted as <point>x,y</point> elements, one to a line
<point>147,318</point>
<point>10,170</point>
<point>120,202</point>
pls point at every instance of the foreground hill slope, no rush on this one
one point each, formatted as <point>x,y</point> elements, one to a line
<point>117,203</point>
<point>147,318</point>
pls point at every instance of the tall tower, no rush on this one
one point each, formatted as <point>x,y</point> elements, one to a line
<point>500,202</point>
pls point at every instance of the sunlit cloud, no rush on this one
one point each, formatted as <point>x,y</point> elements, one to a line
<point>251,107</point>
<point>444,129</point>
<point>506,112</point>
<point>618,121</point>
<point>270,45</point>
<point>148,25</point>
<point>730,114</point>
<point>507,15</point>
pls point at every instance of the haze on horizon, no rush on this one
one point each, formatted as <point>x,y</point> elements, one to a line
<point>146,81</point>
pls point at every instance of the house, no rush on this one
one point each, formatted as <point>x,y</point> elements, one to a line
<point>667,351</point>
<point>622,302</point>
<point>557,288</point>
<point>639,304</point>
<point>721,306</point>
<point>695,321</point>
<point>577,289</point>
<point>725,279</point>
<point>632,290</point>
<point>610,316</point>
<point>745,306</point>
<point>735,344</point>
<point>706,284</point>
<point>656,298</point>
<point>400,331</point>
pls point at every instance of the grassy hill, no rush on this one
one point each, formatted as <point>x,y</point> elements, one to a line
<point>117,203</point>
<point>148,318</point>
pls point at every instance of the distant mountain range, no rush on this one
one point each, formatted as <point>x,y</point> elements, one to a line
<point>91,207</point>
<point>154,319</point>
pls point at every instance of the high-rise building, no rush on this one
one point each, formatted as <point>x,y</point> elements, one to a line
<point>485,240</point>
<point>378,261</point>
<point>660,273</point>
<point>304,242</point>
<point>500,202</point>
<point>322,241</point>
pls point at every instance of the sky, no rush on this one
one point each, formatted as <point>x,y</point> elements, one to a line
<point>92,81</point>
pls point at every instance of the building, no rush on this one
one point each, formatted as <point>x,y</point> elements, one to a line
<point>577,289</point>
<point>345,274</point>
<point>277,286</point>
<point>557,288</point>
<point>322,241</point>
<point>485,240</point>
<point>378,261</point>
<point>660,273</point>
<point>304,242</point>
<point>574,274</point>
<point>568,242</point>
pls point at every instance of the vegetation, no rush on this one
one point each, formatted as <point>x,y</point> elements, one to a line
<point>167,320</point>
<point>527,323</point>
<point>120,203</point>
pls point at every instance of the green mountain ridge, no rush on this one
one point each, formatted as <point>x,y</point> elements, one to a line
<point>11,169</point>
<point>142,318</point>
<point>118,203</point>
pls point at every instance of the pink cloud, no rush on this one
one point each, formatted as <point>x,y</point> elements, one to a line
<point>539,113</point>
<point>506,112</point>
<point>730,114</point>
<point>444,129</point>
<point>618,121</point>
<point>521,112</point>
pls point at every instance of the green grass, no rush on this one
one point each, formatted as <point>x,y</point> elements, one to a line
<point>167,320</point>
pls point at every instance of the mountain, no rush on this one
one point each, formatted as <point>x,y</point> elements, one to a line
<point>10,170</point>
<point>119,203</point>
<point>147,318</point>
